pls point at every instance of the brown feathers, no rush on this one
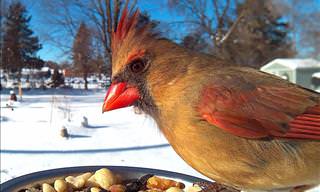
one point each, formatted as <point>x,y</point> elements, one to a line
<point>249,106</point>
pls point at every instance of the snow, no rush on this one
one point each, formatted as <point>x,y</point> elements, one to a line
<point>31,141</point>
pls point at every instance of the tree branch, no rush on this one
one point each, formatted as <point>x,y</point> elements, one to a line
<point>232,28</point>
<point>224,12</point>
<point>116,12</point>
<point>216,11</point>
<point>109,18</point>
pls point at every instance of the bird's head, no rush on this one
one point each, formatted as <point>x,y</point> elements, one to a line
<point>142,62</point>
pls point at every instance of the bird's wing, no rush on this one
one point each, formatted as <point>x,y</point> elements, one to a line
<point>252,104</point>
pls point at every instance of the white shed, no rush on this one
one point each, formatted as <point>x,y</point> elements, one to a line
<point>298,71</point>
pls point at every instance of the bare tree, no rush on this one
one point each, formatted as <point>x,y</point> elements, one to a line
<point>211,17</point>
<point>101,17</point>
<point>246,32</point>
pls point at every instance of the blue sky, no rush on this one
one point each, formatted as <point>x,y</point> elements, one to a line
<point>48,52</point>
<point>156,9</point>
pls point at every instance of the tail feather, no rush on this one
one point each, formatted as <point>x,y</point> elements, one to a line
<point>315,118</point>
<point>306,125</point>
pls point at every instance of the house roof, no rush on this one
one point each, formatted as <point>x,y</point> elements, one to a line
<point>294,63</point>
<point>316,75</point>
<point>45,69</point>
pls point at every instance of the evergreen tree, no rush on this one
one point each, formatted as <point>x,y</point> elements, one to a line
<point>82,53</point>
<point>261,36</point>
<point>34,63</point>
<point>19,43</point>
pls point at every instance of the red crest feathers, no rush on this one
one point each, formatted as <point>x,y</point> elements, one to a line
<point>127,23</point>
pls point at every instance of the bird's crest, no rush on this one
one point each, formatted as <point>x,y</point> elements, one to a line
<point>127,23</point>
<point>129,36</point>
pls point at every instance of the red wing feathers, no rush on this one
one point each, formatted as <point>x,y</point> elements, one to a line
<point>257,111</point>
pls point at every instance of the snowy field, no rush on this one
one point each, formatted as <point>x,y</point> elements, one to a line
<point>31,141</point>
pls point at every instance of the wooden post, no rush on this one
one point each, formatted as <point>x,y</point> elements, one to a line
<point>20,90</point>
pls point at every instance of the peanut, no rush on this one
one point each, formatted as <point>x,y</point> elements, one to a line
<point>75,182</point>
<point>104,178</point>
<point>60,185</point>
<point>47,188</point>
<point>85,176</point>
<point>91,182</point>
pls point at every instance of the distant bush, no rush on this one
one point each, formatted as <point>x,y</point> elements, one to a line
<point>57,79</point>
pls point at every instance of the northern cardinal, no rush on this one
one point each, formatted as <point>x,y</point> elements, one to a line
<point>239,126</point>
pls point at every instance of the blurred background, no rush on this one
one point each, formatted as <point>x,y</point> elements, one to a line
<point>55,69</point>
<point>67,42</point>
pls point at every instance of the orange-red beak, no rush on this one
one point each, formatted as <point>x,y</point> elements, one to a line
<point>120,95</point>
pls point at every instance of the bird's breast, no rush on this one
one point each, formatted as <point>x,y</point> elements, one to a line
<point>242,163</point>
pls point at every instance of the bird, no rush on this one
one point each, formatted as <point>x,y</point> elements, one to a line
<point>236,125</point>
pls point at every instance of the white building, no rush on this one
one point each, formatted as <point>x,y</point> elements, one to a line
<point>298,71</point>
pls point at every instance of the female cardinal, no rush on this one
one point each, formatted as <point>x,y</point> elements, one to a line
<point>239,126</point>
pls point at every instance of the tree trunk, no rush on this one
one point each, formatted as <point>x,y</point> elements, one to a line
<point>19,75</point>
<point>100,75</point>
<point>85,75</point>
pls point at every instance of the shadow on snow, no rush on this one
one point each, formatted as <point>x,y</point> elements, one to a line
<point>136,148</point>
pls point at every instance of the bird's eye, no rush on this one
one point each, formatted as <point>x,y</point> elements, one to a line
<point>137,65</point>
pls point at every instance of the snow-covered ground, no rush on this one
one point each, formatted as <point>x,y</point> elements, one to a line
<point>31,141</point>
